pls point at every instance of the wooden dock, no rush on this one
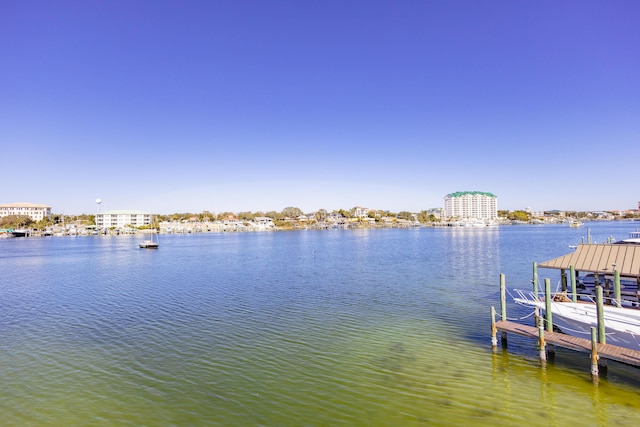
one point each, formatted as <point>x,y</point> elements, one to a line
<point>606,351</point>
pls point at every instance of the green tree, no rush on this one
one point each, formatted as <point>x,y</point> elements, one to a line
<point>344,213</point>
<point>246,216</point>
<point>225,215</point>
<point>518,216</point>
<point>292,212</point>
<point>405,215</point>
<point>425,216</point>
<point>16,221</point>
<point>43,224</point>
<point>274,215</point>
<point>321,215</point>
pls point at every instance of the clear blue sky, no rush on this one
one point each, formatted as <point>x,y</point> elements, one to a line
<point>248,105</point>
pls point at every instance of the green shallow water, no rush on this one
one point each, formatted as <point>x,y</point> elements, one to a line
<point>286,329</point>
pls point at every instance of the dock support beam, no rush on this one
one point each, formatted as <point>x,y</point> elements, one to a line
<point>541,343</point>
<point>547,301</point>
<point>494,329</point>
<point>594,355</point>
<point>503,306</point>
<point>616,287</point>
<point>574,292</point>
<point>600,312</point>
<point>535,279</point>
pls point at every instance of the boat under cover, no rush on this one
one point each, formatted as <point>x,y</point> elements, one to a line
<point>622,324</point>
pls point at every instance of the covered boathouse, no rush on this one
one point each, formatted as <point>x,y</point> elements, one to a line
<point>601,260</point>
<point>604,262</point>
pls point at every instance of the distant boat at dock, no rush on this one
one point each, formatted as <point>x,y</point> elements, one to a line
<point>20,233</point>
<point>633,239</point>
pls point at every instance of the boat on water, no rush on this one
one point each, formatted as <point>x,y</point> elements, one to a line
<point>477,223</point>
<point>595,265</point>
<point>20,233</point>
<point>152,242</point>
<point>633,239</point>
<point>576,224</point>
<point>149,244</point>
<point>622,324</point>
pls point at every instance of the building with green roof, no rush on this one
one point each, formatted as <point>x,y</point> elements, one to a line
<point>463,205</point>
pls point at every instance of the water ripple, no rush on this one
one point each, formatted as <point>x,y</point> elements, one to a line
<point>278,329</point>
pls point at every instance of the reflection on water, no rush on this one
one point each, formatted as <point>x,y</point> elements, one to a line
<point>381,327</point>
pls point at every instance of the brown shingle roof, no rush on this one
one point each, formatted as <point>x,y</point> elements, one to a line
<point>599,258</point>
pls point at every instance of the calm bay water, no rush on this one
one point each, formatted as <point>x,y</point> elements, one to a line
<point>314,328</point>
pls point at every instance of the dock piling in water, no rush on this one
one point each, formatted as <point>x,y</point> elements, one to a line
<point>574,293</point>
<point>616,287</point>
<point>602,338</point>
<point>494,329</point>
<point>541,343</point>
<point>503,306</point>
<point>547,300</point>
<point>594,354</point>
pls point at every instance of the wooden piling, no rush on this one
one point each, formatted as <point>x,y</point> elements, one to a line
<point>535,279</point>
<point>616,287</point>
<point>503,297</point>
<point>547,301</point>
<point>574,292</point>
<point>594,354</point>
<point>494,329</point>
<point>600,311</point>
<point>503,306</point>
<point>541,343</point>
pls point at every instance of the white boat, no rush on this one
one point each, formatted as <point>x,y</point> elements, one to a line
<point>633,239</point>
<point>150,243</point>
<point>622,324</point>
<point>621,318</point>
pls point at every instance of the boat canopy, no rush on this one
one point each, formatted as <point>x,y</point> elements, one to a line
<point>600,258</point>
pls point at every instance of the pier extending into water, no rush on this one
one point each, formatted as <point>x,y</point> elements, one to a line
<point>606,351</point>
<point>546,338</point>
<point>610,261</point>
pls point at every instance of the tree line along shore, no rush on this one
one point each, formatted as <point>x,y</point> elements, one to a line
<point>295,218</point>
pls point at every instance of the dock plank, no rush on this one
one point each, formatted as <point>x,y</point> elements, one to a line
<point>607,351</point>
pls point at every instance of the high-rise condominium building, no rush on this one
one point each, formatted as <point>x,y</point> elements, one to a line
<point>471,205</point>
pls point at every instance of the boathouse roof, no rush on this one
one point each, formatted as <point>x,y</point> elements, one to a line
<point>600,258</point>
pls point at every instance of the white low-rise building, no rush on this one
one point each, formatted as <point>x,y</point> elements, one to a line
<point>33,211</point>
<point>263,223</point>
<point>122,218</point>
